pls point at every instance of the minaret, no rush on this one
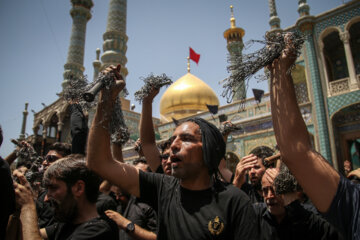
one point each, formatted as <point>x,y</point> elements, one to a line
<point>235,45</point>
<point>274,19</point>
<point>115,39</point>
<point>303,8</point>
<point>23,127</point>
<point>97,64</point>
<point>80,14</point>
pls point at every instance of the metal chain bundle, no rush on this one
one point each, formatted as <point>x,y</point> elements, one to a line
<point>152,82</point>
<point>118,129</point>
<point>75,91</point>
<point>27,154</point>
<point>243,67</point>
<point>227,128</point>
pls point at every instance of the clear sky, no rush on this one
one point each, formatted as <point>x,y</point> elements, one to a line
<point>35,35</point>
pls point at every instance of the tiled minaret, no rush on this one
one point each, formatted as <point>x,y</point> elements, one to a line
<point>305,24</point>
<point>274,21</point>
<point>115,39</point>
<point>235,45</point>
<point>80,13</point>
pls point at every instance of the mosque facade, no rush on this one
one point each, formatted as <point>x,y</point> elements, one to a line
<point>326,80</point>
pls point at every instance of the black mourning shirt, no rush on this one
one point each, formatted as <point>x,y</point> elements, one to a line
<point>207,214</point>
<point>298,224</point>
<point>96,229</point>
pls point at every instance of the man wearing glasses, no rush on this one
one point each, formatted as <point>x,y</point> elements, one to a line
<point>44,211</point>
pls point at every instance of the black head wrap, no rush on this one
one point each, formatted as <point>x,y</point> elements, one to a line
<point>213,144</point>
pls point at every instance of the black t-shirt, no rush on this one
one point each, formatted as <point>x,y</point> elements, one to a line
<point>44,211</point>
<point>97,228</point>
<point>7,200</point>
<point>105,202</point>
<point>253,194</point>
<point>298,224</point>
<point>225,213</point>
<point>344,212</point>
<point>140,214</point>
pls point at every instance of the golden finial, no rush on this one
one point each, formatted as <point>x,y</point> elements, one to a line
<point>232,19</point>
<point>188,64</point>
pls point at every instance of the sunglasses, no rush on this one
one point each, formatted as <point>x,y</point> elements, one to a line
<point>51,158</point>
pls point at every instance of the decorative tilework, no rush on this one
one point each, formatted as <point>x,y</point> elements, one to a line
<point>337,19</point>
<point>301,93</point>
<point>337,102</point>
<point>318,100</point>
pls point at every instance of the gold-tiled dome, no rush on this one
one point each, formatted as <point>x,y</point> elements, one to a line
<point>187,96</point>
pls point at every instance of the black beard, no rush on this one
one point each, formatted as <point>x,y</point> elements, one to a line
<point>257,186</point>
<point>66,210</point>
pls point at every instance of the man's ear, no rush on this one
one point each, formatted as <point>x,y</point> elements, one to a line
<point>78,189</point>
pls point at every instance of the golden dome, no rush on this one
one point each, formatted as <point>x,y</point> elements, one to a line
<point>185,97</point>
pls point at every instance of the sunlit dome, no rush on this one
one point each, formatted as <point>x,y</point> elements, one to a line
<point>185,97</point>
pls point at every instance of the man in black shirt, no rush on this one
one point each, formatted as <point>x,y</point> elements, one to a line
<point>254,167</point>
<point>73,190</point>
<point>193,205</point>
<point>284,217</point>
<point>43,208</point>
<point>339,200</point>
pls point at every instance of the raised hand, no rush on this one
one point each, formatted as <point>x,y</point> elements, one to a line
<point>245,164</point>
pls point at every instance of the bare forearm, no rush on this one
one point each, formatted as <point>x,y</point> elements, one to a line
<point>142,234</point>
<point>11,158</point>
<point>147,137</point>
<point>28,219</point>
<point>310,168</point>
<point>98,149</point>
<point>100,160</point>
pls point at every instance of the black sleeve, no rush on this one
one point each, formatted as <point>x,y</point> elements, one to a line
<point>96,230</point>
<point>105,202</point>
<point>7,201</point>
<point>244,216</point>
<point>306,222</point>
<point>79,129</point>
<point>51,230</point>
<point>344,212</point>
<point>150,218</point>
<point>246,187</point>
<point>150,185</point>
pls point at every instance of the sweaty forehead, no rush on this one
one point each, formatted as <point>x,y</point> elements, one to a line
<point>265,182</point>
<point>188,128</point>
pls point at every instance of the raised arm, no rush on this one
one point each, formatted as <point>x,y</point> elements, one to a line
<point>28,216</point>
<point>318,179</point>
<point>147,132</point>
<point>99,157</point>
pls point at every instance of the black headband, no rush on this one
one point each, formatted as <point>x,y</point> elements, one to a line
<point>213,144</point>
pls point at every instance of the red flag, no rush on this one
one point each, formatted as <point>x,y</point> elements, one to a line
<point>194,56</point>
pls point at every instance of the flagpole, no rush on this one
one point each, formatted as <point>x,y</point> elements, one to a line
<point>188,64</point>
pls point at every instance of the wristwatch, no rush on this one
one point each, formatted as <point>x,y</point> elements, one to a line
<point>130,227</point>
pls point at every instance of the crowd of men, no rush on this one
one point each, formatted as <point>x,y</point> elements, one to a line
<point>182,189</point>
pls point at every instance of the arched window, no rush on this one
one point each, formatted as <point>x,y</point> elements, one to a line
<point>52,129</point>
<point>40,130</point>
<point>354,31</point>
<point>335,58</point>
